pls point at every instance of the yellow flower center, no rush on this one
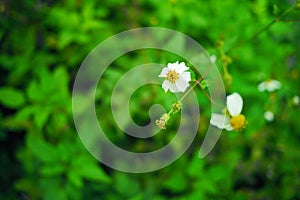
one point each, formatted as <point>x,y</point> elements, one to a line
<point>268,82</point>
<point>172,76</point>
<point>238,122</point>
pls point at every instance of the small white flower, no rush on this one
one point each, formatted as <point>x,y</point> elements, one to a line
<point>213,58</point>
<point>177,77</point>
<point>269,116</point>
<point>236,121</point>
<point>296,100</point>
<point>269,85</point>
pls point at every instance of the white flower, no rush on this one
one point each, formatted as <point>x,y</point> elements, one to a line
<point>236,121</point>
<point>269,85</point>
<point>177,79</point>
<point>296,100</point>
<point>269,116</point>
<point>213,58</point>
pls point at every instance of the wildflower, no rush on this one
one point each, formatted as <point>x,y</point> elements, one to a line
<point>213,58</point>
<point>234,120</point>
<point>162,121</point>
<point>269,116</point>
<point>177,77</point>
<point>269,85</point>
<point>296,100</point>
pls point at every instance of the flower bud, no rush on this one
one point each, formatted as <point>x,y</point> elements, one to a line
<point>162,121</point>
<point>227,79</point>
<point>219,44</point>
<point>226,60</point>
<point>176,107</point>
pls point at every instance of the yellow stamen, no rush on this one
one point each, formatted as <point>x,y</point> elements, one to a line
<point>238,122</point>
<point>172,76</point>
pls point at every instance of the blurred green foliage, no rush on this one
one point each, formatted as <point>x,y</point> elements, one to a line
<point>42,46</point>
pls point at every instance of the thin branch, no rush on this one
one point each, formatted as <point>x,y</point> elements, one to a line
<point>276,19</point>
<point>211,100</point>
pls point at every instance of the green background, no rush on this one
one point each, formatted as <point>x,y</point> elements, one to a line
<point>42,46</point>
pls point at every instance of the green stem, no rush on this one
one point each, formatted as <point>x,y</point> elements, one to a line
<point>197,82</point>
<point>211,100</point>
<point>276,19</point>
<point>187,92</point>
<point>169,113</point>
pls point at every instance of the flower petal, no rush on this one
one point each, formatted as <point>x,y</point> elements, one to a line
<point>276,84</point>
<point>182,84</point>
<point>172,66</point>
<point>234,104</point>
<point>164,72</point>
<point>181,68</point>
<point>229,128</point>
<point>273,85</point>
<point>173,88</point>
<point>262,86</point>
<point>186,76</point>
<point>220,121</point>
<point>166,85</point>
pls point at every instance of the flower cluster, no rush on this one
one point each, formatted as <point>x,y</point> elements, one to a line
<point>163,120</point>
<point>177,78</point>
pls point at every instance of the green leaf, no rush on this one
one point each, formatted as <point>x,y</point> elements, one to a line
<point>25,113</point>
<point>34,92</point>
<point>196,167</point>
<point>41,116</point>
<point>11,97</point>
<point>177,182</point>
<point>138,197</point>
<point>41,149</point>
<point>123,182</point>
<point>52,170</point>
<point>218,173</point>
<point>206,185</point>
<point>85,166</point>
<point>75,178</point>
<point>26,184</point>
<point>53,188</point>
<point>93,172</point>
<point>275,10</point>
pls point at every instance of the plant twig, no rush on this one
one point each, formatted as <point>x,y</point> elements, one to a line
<point>266,27</point>
<point>209,97</point>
